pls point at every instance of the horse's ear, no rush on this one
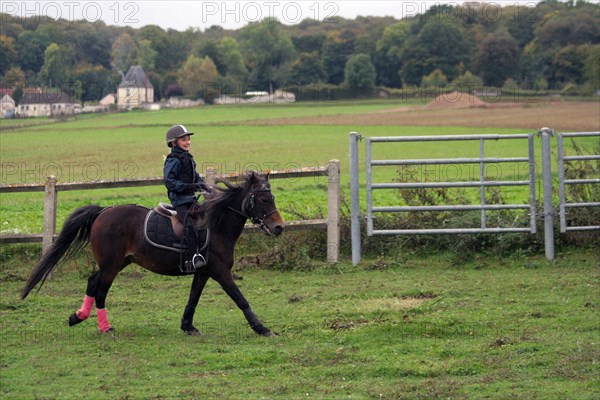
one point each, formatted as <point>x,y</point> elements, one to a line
<point>267,176</point>
<point>253,177</point>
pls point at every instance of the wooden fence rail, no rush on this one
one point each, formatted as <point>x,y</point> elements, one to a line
<point>51,188</point>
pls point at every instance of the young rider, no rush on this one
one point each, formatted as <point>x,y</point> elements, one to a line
<point>182,180</point>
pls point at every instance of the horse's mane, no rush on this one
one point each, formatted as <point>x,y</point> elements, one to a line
<point>215,205</point>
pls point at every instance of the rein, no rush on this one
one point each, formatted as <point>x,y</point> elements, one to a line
<point>260,222</point>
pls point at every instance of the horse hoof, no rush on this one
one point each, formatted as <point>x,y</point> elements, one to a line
<point>74,320</point>
<point>269,333</point>
<point>193,332</point>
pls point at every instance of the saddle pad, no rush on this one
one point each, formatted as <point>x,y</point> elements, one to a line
<point>158,231</point>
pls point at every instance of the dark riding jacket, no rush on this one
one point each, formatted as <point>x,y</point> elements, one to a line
<point>181,178</point>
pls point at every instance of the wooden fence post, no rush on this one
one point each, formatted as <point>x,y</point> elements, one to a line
<point>211,175</point>
<point>50,202</point>
<point>333,211</point>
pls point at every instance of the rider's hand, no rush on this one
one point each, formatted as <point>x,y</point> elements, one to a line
<point>204,187</point>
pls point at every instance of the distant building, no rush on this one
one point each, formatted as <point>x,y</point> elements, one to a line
<point>7,106</point>
<point>103,105</point>
<point>135,89</point>
<point>108,100</point>
<point>47,104</point>
<point>8,91</point>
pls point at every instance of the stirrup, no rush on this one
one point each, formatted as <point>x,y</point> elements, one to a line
<point>189,267</point>
<point>198,261</point>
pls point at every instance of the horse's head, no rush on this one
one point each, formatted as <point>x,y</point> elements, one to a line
<point>259,205</point>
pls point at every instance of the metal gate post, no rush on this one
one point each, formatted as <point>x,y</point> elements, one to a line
<point>354,198</point>
<point>546,133</point>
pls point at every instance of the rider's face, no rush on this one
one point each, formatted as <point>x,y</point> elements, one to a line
<point>184,142</point>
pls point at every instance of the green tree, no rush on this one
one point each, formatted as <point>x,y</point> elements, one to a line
<point>336,50</point>
<point>359,73</point>
<point>592,67</point>
<point>208,48</point>
<point>168,79</point>
<point>266,49</point>
<point>569,64</point>
<point>95,81</point>
<point>308,68</point>
<point>30,47</point>
<point>124,52</point>
<point>57,32</point>
<point>14,78</point>
<point>197,75</point>
<point>177,48</point>
<point>77,91</point>
<point>510,85</point>
<point>366,43</point>
<point>309,43</point>
<point>436,79</point>
<point>92,45</point>
<point>161,47</point>
<point>467,82</point>
<point>231,61</point>
<point>521,22</point>
<point>8,54</point>
<point>55,71</point>
<point>146,55</point>
<point>441,43</point>
<point>497,59</point>
<point>535,67</point>
<point>156,80</point>
<point>18,95</point>
<point>389,51</point>
<point>575,26</point>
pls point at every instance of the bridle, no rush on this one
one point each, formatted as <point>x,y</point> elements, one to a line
<point>248,209</point>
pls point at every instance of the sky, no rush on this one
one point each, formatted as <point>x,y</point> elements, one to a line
<point>230,14</point>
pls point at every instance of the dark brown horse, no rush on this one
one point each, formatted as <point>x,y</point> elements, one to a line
<point>117,238</point>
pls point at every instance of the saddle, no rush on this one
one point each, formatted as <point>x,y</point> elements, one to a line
<point>163,229</point>
<point>167,210</point>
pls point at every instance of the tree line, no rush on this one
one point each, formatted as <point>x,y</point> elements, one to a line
<point>552,46</point>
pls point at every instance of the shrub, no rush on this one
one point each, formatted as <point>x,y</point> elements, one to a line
<point>467,82</point>
<point>436,79</point>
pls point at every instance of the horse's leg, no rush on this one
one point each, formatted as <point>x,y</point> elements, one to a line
<point>105,280</point>
<point>88,301</point>
<point>188,315</point>
<point>228,284</point>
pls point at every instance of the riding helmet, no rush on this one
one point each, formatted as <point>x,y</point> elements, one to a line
<point>175,132</point>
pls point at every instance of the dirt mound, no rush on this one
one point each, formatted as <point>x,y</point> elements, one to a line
<point>456,100</point>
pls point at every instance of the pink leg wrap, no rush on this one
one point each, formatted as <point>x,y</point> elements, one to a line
<point>86,308</point>
<point>102,319</point>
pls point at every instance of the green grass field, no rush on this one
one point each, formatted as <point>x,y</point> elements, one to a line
<point>519,328</point>
<point>131,145</point>
<point>407,325</point>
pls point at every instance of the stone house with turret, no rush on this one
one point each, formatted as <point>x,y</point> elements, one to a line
<point>135,89</point>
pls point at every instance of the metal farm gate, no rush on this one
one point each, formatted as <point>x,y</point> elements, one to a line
<point>563,183</point>
<point>482,182</point>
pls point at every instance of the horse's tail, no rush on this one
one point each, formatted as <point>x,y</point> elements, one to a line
<point>73,237</point>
